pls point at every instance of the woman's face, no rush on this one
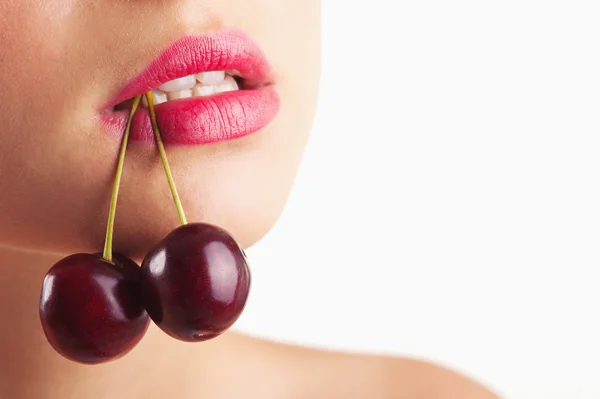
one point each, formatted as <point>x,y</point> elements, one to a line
<point>61,64</point>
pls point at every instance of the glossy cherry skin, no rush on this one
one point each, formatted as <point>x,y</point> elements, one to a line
<point>195,282</point>
<point>90,309</point>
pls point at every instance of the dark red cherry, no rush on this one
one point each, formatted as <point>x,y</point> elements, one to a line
<point>195,282</point>
<point>90,309</point>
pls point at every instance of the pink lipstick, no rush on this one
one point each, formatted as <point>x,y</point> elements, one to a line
<point>201,119</point>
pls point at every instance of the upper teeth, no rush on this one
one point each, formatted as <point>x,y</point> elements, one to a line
<point>199,85</point>
<point>187,82</point>
<point>211,78</point>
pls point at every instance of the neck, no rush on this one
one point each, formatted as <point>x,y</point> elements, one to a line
<point>30,368</point>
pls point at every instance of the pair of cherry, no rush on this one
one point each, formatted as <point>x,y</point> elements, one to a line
<point>193,285</point>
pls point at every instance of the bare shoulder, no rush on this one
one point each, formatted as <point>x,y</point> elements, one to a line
<point>310,373</point>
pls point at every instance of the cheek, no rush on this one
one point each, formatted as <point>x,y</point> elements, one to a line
<point>31,50</point>
<point>51,183</point>
<point>32,47</point>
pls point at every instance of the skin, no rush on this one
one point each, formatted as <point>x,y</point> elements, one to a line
<point>62,60</point>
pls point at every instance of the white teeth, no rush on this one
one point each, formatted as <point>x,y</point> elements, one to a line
<point>210,83</point>
<point>187,82</point>
<point>159,96</point>
<point>201,90</point>
<point>229,84</point>
<point>176,95</point>
<point>211,78</point>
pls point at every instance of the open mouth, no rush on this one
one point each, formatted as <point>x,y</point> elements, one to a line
<point>206,89</point>
<point>203,84</point>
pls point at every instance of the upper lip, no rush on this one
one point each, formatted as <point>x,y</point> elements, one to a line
<point>194,54</point>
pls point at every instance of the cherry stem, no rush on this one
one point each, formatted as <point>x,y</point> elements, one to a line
<point>163,158</point>
<point>107,255</point>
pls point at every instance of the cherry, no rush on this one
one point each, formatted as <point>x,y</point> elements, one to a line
<point>195,282</point>
<point>90,309</point>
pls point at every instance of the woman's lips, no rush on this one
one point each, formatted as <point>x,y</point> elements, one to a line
<point>200,120</point>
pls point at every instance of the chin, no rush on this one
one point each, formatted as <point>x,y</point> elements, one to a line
<point>137,232</point>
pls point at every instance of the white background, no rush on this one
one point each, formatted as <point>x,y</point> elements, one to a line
<point>449,203</point>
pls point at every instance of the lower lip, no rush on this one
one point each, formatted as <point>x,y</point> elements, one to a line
<point>200,120</point>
